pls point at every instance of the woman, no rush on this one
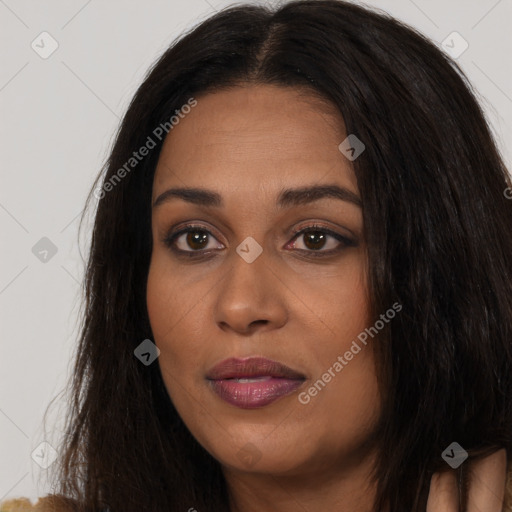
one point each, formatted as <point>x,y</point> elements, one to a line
<point>298,294</point>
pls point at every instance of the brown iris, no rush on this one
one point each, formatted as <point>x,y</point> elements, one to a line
<point>197,237</point>
<point>314,239</point>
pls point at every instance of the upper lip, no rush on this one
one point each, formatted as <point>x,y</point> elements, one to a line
<point>235,368</point>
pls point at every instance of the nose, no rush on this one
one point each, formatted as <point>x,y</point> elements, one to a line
<point>250,297</point>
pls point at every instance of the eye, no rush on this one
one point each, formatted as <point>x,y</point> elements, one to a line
<point>315,240</point>
<point>320,240</point>
<point>192,239</point>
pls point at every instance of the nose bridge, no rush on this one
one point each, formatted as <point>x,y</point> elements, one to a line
<point>248,275</point>
<point>246,294</point>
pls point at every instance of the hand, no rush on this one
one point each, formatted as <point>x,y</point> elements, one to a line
<point>486,487</point>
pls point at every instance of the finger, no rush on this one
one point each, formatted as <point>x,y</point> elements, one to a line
<point>443,495</point>
<point>487,483</point>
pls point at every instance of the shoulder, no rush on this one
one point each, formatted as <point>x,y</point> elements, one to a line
<point>50,503</point>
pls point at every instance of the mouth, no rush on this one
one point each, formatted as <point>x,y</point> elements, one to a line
<point>253,382</point>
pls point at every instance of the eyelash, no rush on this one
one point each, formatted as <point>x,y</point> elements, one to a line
<point>345,242</point>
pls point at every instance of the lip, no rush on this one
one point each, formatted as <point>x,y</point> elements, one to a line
<point>268,381</point>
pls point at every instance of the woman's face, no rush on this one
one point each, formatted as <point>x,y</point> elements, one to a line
<point>240,284</point>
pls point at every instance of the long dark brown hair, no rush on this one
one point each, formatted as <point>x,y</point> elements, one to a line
<point>438,227</point>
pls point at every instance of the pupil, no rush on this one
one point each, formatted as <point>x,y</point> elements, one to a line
<point>197,237</point>
<point>315,239</point>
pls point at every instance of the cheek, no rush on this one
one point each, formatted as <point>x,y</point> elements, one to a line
<point>181,321</point>
<point>348,288</point>
<point>170,311</point>
<point>344,398</point>
<point>161,299</point>
<point>337,303</point>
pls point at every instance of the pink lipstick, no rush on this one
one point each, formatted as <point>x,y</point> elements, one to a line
<point>253,382</point>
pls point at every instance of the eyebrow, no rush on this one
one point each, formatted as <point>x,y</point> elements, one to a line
<point>287,198</point>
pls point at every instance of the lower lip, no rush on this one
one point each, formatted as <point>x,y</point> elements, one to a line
<point>251,395</point>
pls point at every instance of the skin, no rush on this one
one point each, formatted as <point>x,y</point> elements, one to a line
<point>486,487</point>
<point>247,144</point>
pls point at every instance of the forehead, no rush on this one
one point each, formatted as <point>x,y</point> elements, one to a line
<point>255,137</point>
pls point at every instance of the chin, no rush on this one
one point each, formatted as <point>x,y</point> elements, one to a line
<point>259,452</point>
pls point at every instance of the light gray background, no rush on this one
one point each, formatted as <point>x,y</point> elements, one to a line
<point>58,118</point>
